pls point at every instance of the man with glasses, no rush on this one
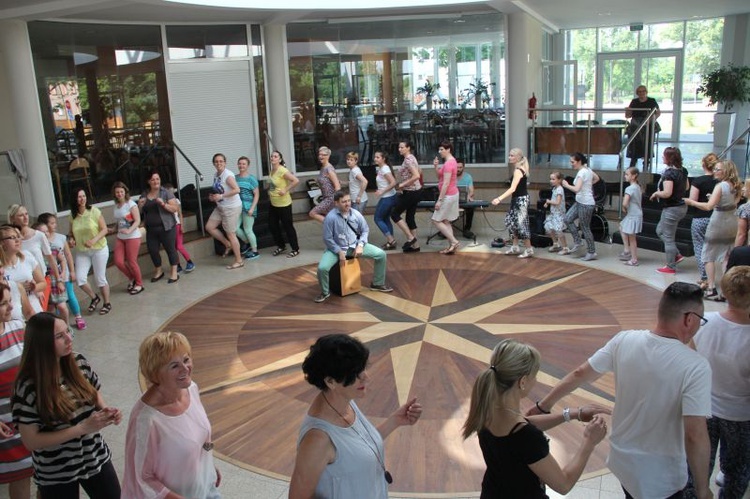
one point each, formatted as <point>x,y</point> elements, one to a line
<point>345,233</point>
<point>663,397</point>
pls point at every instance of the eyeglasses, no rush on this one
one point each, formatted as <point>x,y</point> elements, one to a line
<point>10,238</point>
<point>703,319</point>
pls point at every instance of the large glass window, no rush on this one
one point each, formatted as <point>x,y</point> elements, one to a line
<point>207,42</point>
<point>104,105</point>
<point>365,86</point>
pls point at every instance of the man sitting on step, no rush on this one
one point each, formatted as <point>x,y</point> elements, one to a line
<point>345,233</point>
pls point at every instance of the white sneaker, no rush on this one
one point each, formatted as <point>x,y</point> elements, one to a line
<point>589,256</point>
<point>513,250</point>
<point>565,251</point>
<point>576,247</point>
<point>527,253</point>
<point>554,248</point>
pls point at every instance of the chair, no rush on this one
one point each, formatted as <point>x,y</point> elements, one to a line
<point>78,171</point>
<point>587,122</point>
<point>560,123</point>
<point>617,122</point>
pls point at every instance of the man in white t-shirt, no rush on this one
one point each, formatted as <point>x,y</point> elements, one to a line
<point>663,392</point>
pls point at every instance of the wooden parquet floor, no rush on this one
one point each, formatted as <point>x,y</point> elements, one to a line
<point>429,338</point>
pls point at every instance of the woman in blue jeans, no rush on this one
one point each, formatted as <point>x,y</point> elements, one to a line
<point>583,209</point>
<point>386,183</point>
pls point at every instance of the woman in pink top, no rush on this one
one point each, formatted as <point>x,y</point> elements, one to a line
<point>446,206</point>
<point>168,443</point>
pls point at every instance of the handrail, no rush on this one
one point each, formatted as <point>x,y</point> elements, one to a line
<point>198,179</point>
<point>735,141</point>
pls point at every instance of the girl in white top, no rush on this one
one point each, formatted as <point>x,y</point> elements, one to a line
<point>583,209</point>
<point>357,183</point>
<point>128,220</point>
<point>387,193</point>
<point>633,221</point>
<point>226,195</point>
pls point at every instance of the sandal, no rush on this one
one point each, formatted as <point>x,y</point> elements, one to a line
<point>234,266</point>
<point>131,285</point>
<point>390,246</point>
<point>710,294</point>
<point>227,252</point>
<point>106,308</point>
<point>450,249</point>
<point>293,254</point>
<point>278,251</point>
<point>136,289</point>
<point>94,303</point>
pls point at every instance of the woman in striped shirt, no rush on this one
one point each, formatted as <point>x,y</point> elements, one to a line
<point>59,412</point>
<point>15,459</point>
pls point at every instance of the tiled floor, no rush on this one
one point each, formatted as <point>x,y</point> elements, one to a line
<point>111,342</point>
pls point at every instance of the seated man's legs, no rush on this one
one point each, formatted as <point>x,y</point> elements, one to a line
<point>327,261</point>
<point>379,257</point>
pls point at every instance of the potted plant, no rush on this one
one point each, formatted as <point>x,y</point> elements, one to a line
<point>728,85</point>
<point>428,90</point>
<point>479,91</point>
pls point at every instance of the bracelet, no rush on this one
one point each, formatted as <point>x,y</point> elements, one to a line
<point>539,408</point>
<point>566,414</point>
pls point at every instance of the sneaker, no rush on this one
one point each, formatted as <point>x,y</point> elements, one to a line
<point>189,267</point>
<point>179,268</point>
<point>251,255</point>
<point>720,479</point>
<point>322,297</point>
<point>624,257</point>
<point>565,251</point>
<point>631,263</point>
<point>666,270</point>
<point>576,247</point>
<point>679,258</point>
<point>513,250</point>
<point>80,323</point>
<point>527,253</point>
<point>554,248</point>
<point>589,256</point>
<point>383,288</point>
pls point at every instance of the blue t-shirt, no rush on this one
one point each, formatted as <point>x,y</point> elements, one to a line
<point>247,185</point>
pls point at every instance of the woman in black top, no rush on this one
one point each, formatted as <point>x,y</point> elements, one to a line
<point>515,449</point>
<point>700,189</point>
<point>638,110</point>
<point>517,217</point>
<point>158,207</point>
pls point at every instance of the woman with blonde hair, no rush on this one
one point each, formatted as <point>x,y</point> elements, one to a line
<point>700,190</point>
<point>517,218</point>
<point>168,443</point>
<point>515,449</point>
<point>21,267</point>
<point>59,412</point>
<point>722,226</point>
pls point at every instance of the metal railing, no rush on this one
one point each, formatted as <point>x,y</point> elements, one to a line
<point>198,179</point>
<point>745,134</point>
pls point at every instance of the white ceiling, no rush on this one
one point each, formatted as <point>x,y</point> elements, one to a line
<point>562,14</point>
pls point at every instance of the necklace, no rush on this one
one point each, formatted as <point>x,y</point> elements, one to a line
<point>386,473</point>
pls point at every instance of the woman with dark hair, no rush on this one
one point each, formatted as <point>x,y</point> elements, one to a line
<point>638,110</point>
<point>168,443</point>
<point>158,207</point>
<point>59,412</point>
<point>517,218</point>
<point>340,454</point>
<point>446,206</point>
<point>515,449</point>
<point>671,189</point>
<point>409,187</point>
<point>700,190</point>
<point>387,193</point>
<point>89,233</point>
<point>15,459</point>
<point>583,208</point>
<point>280,184</point>
<point>127,220</point>
<point>226,194</point>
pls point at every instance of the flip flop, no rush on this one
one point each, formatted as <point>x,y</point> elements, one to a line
<point>236,266</point>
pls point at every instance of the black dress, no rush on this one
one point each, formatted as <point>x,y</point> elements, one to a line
<point>637,148</point>
<point>508,458</point>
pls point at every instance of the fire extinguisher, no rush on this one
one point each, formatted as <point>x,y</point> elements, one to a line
<point>532,106</point>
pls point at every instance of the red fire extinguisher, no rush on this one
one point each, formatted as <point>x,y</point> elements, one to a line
<point>532,106</point>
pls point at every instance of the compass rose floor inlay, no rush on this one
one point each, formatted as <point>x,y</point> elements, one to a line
<point>429,339</point>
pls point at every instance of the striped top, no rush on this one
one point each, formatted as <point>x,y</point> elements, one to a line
<point>15,459</point>
<point>76,459</point>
